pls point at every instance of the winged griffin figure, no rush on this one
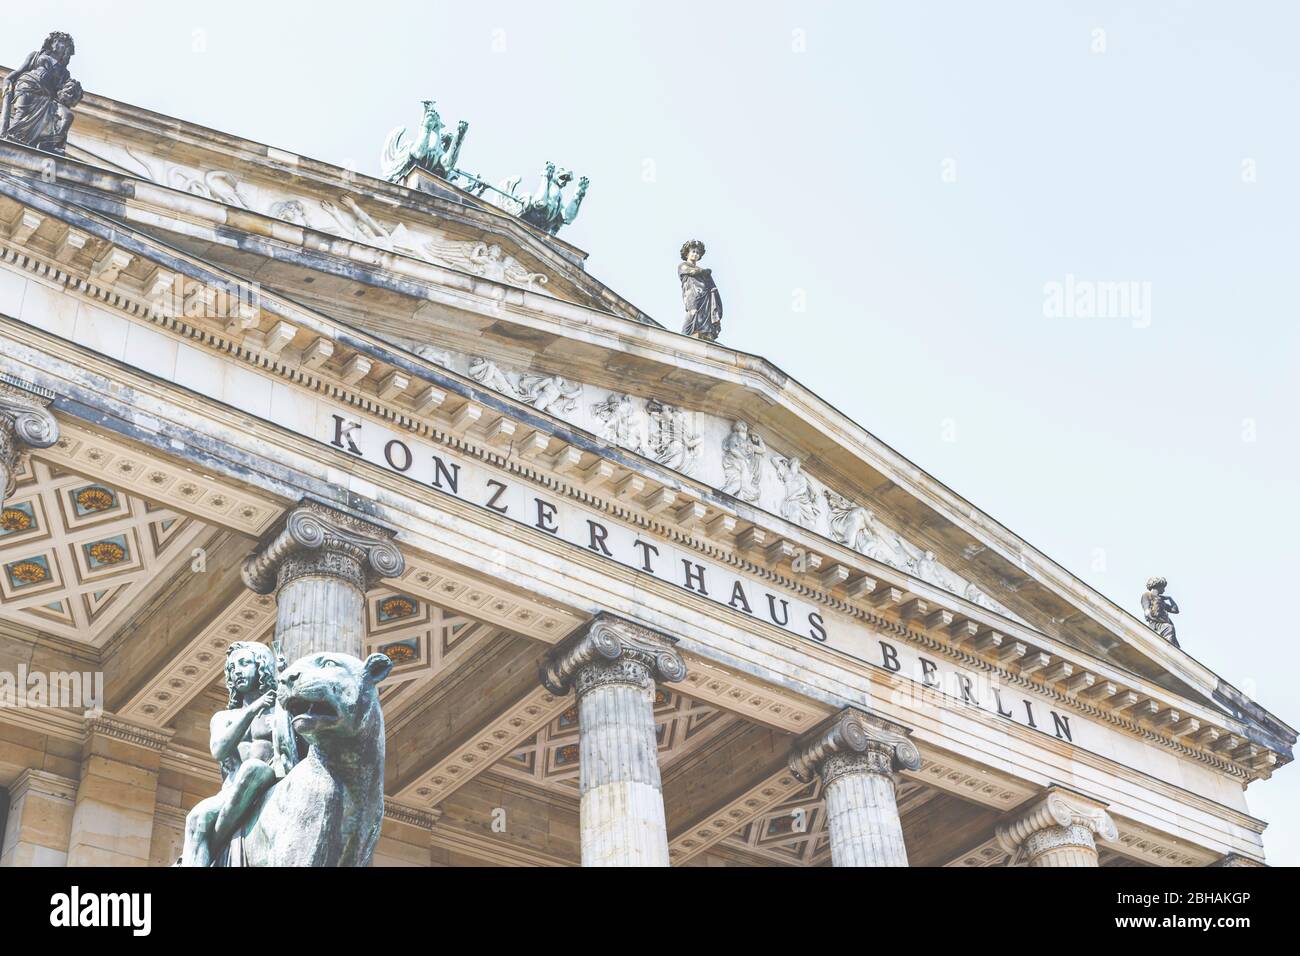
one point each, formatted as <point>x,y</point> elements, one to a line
<point>434,149</point>
<point>545,209</point>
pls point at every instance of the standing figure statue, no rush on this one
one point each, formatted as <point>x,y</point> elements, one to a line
<point>699,294</point>
<point>1156,608</point>
<point>742,462</point>
<point>39,97</point>
<point>436,150</point>
<point>801,503</point>
<point>243,743</point>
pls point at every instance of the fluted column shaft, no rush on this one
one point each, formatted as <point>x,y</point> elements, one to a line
<point>862,812</point>
<point>1061,829</point>
<point>320,605</point>
<point>856,755</point>
<point>622,803</point>
<point>25,423</point>
<point>319,564</point>
<point>612,667</point>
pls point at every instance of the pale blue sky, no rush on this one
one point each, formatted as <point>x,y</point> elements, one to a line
<point>821,171</point>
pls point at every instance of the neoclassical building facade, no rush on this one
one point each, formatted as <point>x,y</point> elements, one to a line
<point>649,600</point>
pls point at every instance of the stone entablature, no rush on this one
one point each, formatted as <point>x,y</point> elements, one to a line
<point>701,446</point>
<point>962,628</point>
<point>966,535</point>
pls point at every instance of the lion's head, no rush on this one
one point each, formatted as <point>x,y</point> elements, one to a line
<point>332,695</point>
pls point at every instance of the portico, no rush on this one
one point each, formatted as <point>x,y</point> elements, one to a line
<point>600,656</point>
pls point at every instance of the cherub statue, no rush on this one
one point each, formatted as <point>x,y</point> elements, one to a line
<point>40,95</point>
<point>1156,608</point>
<point>436,150</point>
<point>742,462</point>
<point>244,743</point>
<point>699,294</point>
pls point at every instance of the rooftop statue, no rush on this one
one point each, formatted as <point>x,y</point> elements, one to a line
<point>435,150</point>
<point>699,294</point>
<point>301,750</point>
<point>1156,608</point>
<point>39,97</point>
<point>546,209</point>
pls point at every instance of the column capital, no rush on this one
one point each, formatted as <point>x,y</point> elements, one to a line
<point>332,542</point>
<point>853,740</point>
<point>25,422</point>
<point>611,650</point>
<point>1061,816</point>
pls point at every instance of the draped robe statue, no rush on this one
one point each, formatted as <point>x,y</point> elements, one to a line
<point>39,97</point>
<point>700,296</point>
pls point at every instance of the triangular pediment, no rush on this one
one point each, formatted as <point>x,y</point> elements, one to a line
<point>452,294</point>
<point>291,200</point>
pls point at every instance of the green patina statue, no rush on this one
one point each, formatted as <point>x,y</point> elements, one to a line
<point>545,209</point>
<point>301,749</point>
<point>435,150</point>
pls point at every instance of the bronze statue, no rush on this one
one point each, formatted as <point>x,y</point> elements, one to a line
<point>1156,607</point>
<point>435,148</point>
<point>39,97</point>
<point>699,294</point>
<point>301,749</point>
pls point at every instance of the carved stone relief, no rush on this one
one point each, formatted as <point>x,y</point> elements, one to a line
<point>339,216</point>
<point>728,455</point>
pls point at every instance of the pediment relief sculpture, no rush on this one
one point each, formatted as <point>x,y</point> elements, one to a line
<point>740,463</point>
<point>340,215</point>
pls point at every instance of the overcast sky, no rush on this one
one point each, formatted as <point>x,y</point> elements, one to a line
<point>888,192</point>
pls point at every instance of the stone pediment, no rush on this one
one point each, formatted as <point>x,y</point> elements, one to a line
<point>453,230</point>
<point>816,481</point>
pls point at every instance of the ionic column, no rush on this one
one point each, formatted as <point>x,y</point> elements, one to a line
<point>1058,830</point>
<point>25,423</point>
<point>857,754</point>
<point>612,666</point>
<point>319,564</point>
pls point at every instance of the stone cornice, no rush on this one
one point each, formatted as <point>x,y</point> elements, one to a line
<point>110,725</point>
<point>938,634</point>
<point>42,782</point>
<point>424,819</point>
<point>853,731</point>
<point>315,526</point>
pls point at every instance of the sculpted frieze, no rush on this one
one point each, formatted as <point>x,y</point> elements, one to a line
<point>340,215</point>
<point>730,455</point>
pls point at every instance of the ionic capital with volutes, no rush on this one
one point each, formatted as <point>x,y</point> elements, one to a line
<point>1060,829</point>
<point>612,651</point>
<point>853,741</point>
<point>317,539</point>
<point>25,423</point>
